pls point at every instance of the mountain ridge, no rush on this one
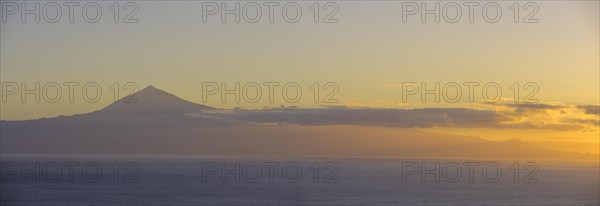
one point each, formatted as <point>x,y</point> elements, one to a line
<point>150,99</point>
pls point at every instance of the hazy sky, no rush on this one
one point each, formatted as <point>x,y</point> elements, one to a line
<point>369,53</point>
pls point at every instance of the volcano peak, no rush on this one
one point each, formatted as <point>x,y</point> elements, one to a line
<point>152,99</point>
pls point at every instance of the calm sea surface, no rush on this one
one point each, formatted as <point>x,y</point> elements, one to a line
<point>229,180</point>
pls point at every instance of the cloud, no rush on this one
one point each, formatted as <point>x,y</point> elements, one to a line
<point>535,106</point>
<point>590,109</point>
<point>522,109</point>
<point>542,125</point>
<point>404,118</point>
<point>399,118</point>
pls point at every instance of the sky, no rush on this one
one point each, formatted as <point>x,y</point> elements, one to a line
<point>365,58</point>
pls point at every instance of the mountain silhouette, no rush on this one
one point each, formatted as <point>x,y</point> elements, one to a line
<point>153,121</point>
<point>153,100</point>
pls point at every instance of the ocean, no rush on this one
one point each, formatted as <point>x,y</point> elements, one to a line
<point>262,180</point>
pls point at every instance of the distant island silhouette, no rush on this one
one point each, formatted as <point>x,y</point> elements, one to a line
<point>162,123</point>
